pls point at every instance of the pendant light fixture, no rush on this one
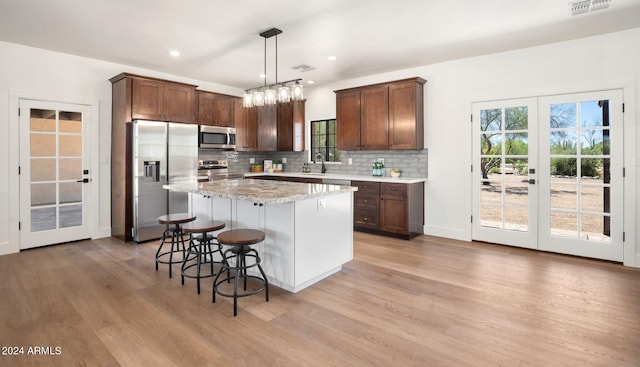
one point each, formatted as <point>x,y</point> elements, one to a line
<point>268,94</point>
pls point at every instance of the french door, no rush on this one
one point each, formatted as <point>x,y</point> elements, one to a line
<point>550,173</point>
<point>54,162</point>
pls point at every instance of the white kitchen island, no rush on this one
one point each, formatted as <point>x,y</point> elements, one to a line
<point>308,227</point>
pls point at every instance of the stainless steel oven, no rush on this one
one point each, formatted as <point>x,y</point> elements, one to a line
<point>216,137</point>
<point>212,170</point>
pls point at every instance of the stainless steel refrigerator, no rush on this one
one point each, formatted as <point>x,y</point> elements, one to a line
<point>163,153</point>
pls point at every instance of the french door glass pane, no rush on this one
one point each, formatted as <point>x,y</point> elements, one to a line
<point>55,168</point>
<point>504,149</point>
<point>70,216</point>
<point>580,170</point>
<point>43,219</point>
<point>43,169</point>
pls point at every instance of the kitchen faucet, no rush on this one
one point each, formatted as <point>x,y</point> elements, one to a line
<point>324,168</point>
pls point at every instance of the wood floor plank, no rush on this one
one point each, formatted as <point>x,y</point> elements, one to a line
<point>425,302</point>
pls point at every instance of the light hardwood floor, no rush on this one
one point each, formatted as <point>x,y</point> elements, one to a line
<point>424,302</point>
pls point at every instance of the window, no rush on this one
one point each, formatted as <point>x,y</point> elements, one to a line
<point>323,141</point>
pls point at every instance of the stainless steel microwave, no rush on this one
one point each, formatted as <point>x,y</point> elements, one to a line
<point>216,137</point>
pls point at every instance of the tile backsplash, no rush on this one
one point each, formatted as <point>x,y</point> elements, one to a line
<point>413,163</point>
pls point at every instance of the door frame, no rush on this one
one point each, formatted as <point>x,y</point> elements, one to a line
<point>631,249</point>
<point>14,160</point>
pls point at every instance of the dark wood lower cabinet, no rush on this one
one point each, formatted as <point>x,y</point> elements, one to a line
<point>389,208</point>
<point>311,180</point>
<point>394,209</point>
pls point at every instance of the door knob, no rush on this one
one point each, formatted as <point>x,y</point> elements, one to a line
<point>84,180</point>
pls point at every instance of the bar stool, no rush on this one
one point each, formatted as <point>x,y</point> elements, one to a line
<point>201,247</point>
<point>173,228</point>
<point>240,241</point>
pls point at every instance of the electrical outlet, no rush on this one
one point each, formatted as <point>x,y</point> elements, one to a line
<point>284,160</point>
<point>252,160</point>
<point>322,204</point>
<point>350,161</point>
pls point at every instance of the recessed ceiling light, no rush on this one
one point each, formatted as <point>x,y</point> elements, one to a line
<point>331,58</point>
<point>174,53</point>
<point>310,82</point>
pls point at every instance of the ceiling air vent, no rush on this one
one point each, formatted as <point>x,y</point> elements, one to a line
<point>585,6</point>
<point>303,67</point>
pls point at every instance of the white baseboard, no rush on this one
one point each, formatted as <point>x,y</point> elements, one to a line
<point>446,232</point>
<point>5,249</point>
<point>103,232</point>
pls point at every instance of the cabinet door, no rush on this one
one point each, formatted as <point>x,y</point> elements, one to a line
<point>178,103</point>
<point>348,120</point>
<point>406,116</point>
<point>267,128</point>
<point>298,126</point>
<point>394,214</point>
<point>374,110</point>
<point>201,206</point>
<point>285,126</point>
<point>148,100</point>
<point>246,123</point>
<point>205,108</point>
<point>223,110</point>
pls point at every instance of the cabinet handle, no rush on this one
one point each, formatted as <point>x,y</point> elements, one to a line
<point>393,189</point>
<point>365,219</point>
<point>365,201</point>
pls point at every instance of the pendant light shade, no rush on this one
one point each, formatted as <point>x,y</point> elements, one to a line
<point>258,98</point>
<point>297,92</point>
<point>272,94</point>
<point>284,94</point>
<point>247,99</point>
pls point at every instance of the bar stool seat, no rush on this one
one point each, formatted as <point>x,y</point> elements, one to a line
<point>240,242</point>
<point>201,249</point>
<point>173,228</point>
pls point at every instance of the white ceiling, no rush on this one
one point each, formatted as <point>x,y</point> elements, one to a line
<point>219,40</point>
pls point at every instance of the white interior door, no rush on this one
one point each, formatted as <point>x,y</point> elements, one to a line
<point>505,200</point>
<point>548,173</point>
<point>54,173</point>
<point>581,159</point>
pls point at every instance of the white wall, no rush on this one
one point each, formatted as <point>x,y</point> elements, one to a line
<point>605,61</point>
<point>32,71</point>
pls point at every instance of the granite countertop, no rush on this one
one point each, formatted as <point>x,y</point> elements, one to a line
<point>336,176</point>
<point>261,191</point>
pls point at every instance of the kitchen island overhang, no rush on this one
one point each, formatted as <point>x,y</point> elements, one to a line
<point>308,227</point>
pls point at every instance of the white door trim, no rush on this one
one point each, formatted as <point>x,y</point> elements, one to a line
<point>14,160</point>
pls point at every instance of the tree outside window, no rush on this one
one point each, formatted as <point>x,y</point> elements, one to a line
<point>323,141</point>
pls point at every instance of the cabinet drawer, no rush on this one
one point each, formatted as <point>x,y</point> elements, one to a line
<point>365,187</point>
<point>365,219</point>
<point>393,189</point>
<point>367,202</point>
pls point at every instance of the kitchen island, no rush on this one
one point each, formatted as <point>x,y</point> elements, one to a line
<point>308,227</point>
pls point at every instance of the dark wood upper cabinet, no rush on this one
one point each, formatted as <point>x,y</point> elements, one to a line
<point>272,128</point>
<point>216,109</point>
<point>374,115</point>
<point>267,128</point>
<point>157,100</point>
<point>381,116</point>
<point>348,119</point>
<point>246,124</point>
<point>406,115</point>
